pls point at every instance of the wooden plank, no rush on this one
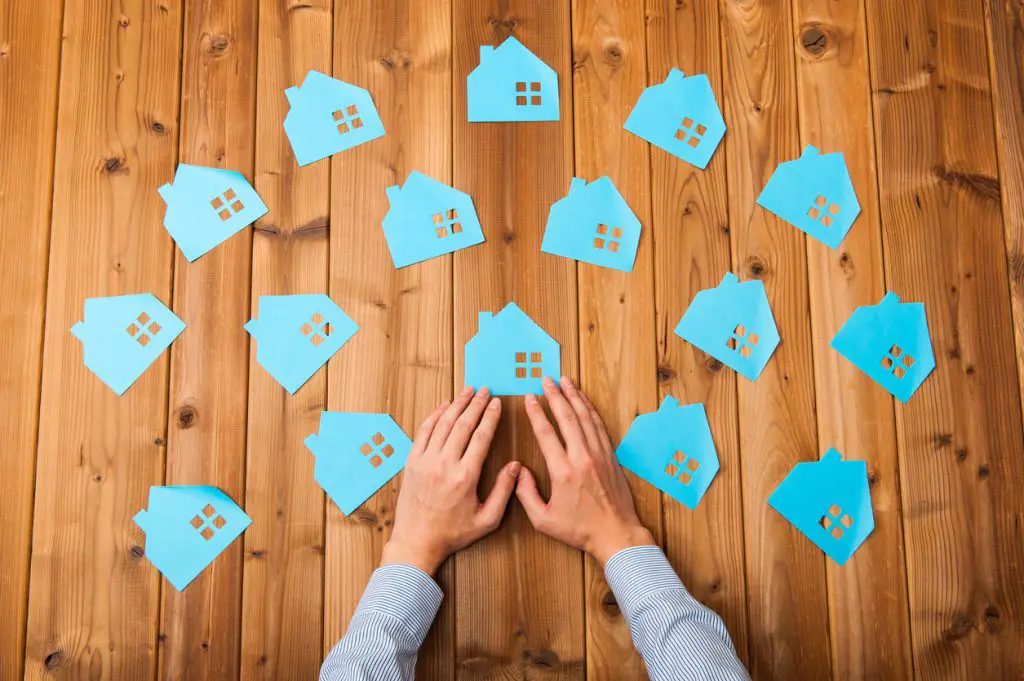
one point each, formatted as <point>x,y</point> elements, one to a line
<point>282,600</point>
<point>533,622</point>
<point>868,609</point>
<point>200,630</point>
<point>616,324</point>
<point>400,361</point>
<point>29,78</point>
<point>691,234</point>
<point>959,437</point>
<point>93,598</point>
<point>785,572</point>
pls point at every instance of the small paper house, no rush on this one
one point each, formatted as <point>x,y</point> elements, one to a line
<point>890,343</point>
<point>593,223</point>
<point>356,454</point>
<point>672,449</point>
<point>122,335</point>
<point>828,501</point>
<point>734,324</point>
<point>428,218</point>
<point>510,354</point>
<point>814,194</point>
<point>187,527</point>
<point>205,206</point>
<point>680,116</point>
<point>511,84</point>
<point>328,115</point>
<point>296,335</point>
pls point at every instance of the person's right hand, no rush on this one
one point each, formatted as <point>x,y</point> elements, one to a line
<point>591,506</point>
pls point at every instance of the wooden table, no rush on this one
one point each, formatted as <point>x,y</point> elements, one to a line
<point>100,100</point>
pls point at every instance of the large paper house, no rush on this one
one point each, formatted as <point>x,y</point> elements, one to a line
<point>672,449</point>
<point>593,223</point>
<point>890,343</point>
<point>815,194</point>
<point>510,354</point>
<point>511,84</point>
<point>680,116</point>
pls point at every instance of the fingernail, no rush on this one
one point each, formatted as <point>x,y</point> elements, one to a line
<point>484,391</point>
<point>495,404</point>
<point>566,382</point>
<point>548,381</point>
<point>531,398</point>
<point>467,390</point>
<point>514,468</point>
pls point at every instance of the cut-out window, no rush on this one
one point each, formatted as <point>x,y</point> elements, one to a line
<point>823,210</point>
<point>447,223</point>
<point>682,467</point>
<point>528,364</point>
<point>348,119</point>
<point>207,522</point>
<point>897,361</point>
<point>835,522</point>
<point>317,329</point>
<point>610,238</point>
<point>143,329</point>
<point>533,99</point>
<point>690,132</point>
<point>742,341</point>
<point>227,205</point>
<point>377,449</point>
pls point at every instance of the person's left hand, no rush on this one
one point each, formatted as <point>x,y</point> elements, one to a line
<point>438,510</point>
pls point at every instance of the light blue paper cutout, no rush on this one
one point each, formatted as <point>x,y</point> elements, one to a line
<point>296,335</point>
<point>428,218</point>
<point>672,449</point>
<point>187,527</point>
<point>511,353</point>
<point>122,335</point>
<point>511,84</point>
<point>890,343</point>
<point>356,454</point>
<point>328,115</point>
<point>593,223</point>
<point>205,206</point>
<point>734,324</point>
<point>680,116</point>
<point>829,502</point>
<point>814,194</point>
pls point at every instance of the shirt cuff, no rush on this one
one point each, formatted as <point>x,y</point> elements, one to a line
<point>636,573</point>
<point>406,594</point>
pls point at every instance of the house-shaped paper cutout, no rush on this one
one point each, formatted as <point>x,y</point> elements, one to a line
<point>205,206</point>
<point>122,335</point>
<point>593,223</point>
<point>815,194</point>
<point>187,527</point>
<point>428,218</point>
<point>890,343</point>
<point>829,501</point>
<point>356,454</point>
<point>672,449</point>
<point>680,116</point>
<point>511,84</point>
<point>511,353</point>
<point>328,115</point>
<point>295,335</point>
<point>733,323</point>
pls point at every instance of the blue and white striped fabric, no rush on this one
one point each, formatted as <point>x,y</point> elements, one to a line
<point>678,638</point>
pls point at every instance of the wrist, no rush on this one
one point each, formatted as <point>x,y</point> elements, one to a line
<point>625,538</point>
<point>407,553</point>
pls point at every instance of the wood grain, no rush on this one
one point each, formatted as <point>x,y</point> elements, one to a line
<point>282,600</point>
<point>520,611</point>
<point>29,78</point>
<point>868,609</point>
<point>691,247</point>
<point>959,437</point>
<point>93,597</point>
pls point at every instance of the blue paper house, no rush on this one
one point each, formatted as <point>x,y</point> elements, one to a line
<point>296,335</point>
<point>205,206</point>
<point>680,116</point>
<point>828,501</point>
<point>814,194</point>
<point>356,454</point>
<point>187,527</point>
<point>428,218</point>
<point>734,324</point>
<point>593,223</point>
<point>672,449</point>
<point>890,343</point>
<point>328,115</point>
<point>511,84</point>
<point>510,354</point>
<point>122,335</point>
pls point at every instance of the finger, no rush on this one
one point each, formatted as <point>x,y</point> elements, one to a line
<point>529,497</point>
<point>547,437</point>
<point>565,417</point>
<point>458,438</point>
<point>448,418</point>
<point>602,430</point>
<point>493,509</point>
<point>480,443</point>
<point>419,443</point>
<point>572,394</point>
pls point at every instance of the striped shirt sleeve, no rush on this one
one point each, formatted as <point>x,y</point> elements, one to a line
<point>387,629</point>
<point>678,637</point>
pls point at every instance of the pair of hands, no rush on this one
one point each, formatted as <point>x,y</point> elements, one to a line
<point>439,512</point>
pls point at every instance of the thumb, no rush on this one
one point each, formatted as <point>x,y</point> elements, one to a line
<point>494,507</point>
<point>529,497</point>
